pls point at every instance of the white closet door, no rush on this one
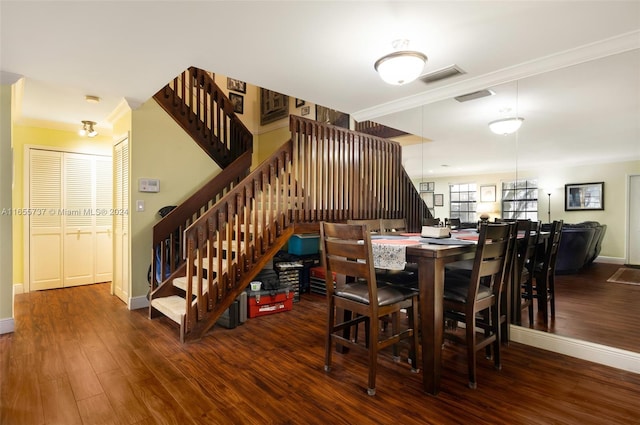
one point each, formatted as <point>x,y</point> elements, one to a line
<point>45,235</point>
<point>104,220</point>
<point>79,218</point>
<point>121,221</point>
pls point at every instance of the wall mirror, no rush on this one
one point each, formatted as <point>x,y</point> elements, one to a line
<point>582,115</point>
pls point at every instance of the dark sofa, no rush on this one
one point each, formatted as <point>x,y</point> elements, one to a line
<point>579,246</point>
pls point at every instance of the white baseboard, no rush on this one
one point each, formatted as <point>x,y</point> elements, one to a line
<point>138,302</point>
<point>610,260</point>
<point>602,354</point>
<point>7,326</point>
<point>18,288</point>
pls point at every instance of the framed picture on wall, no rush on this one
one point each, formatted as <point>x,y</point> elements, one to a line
<point>236,85</point>
<point>428,199</point>
<point>299,103</point>
<point>488,193</point>
<point>274,106</point>
<point>427,186</point>
<point>305,110</point>
<point>238,102</point>
<point>584,196</point>
<point>331,116</point>
<point>438,200</point>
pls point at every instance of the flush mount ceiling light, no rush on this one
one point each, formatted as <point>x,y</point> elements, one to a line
<point>506,125</point>
<point>402,66</point>
<point>87,129</point>
<point>91,98</point>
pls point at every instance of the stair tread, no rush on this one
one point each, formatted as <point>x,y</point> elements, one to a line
<point>174,307</point>
<point>181,283</point>
<point>205,264</point>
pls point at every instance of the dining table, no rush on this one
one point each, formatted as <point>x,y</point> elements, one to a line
<point>431,255</point>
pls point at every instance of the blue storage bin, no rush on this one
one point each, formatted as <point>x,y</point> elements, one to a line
<point>304,244</point>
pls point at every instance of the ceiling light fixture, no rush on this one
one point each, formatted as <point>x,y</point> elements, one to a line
<point>87,129</point>
<point>402,66</point>
<point>506,125</point>
<point>91,98</point>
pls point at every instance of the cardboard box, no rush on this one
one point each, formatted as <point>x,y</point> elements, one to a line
<point>304,244</point>
<point>262,303</point>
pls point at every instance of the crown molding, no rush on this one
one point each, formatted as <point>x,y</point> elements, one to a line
<point>603,48</point>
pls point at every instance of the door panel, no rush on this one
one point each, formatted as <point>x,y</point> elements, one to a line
<point>45,229</point>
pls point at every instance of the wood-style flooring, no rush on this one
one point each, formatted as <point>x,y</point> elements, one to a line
<point>591,309</point>
<point>78,356</point>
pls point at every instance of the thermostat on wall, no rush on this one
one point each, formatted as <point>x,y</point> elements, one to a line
<point>148,185</point>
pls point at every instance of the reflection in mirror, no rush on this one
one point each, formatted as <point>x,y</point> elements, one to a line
<point>580,125</point>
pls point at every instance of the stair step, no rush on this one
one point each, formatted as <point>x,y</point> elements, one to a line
<point>174,307</point>
<point>181,283</point>
<point>205,264</point>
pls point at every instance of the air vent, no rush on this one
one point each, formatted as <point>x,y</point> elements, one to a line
<point>475,95</point>
<point>441,74</point>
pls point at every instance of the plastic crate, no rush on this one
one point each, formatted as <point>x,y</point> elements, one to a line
<point>304,244</point>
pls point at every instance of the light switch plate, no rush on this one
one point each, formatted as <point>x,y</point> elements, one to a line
<point>140,206</point>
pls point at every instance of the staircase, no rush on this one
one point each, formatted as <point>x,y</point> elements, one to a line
<point>218,240</point>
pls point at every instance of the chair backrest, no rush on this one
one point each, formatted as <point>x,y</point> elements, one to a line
<point>489,266</point>
<point>431,222</point>
<point>347,253</point>
<point>393,225</point>
<point>373,225</point>
<point>551,252</point>
<point>526,243</point>
<point>453,223</point>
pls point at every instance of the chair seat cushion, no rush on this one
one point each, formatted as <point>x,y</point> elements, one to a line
<point>387,294</point>
<point>457,290</point>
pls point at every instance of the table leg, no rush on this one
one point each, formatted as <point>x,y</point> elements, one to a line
<point>431,276</point>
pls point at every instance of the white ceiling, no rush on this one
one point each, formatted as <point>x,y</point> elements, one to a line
<point>573,102</point>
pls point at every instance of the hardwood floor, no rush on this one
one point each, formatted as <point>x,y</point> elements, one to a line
<point>591,309</point>
<point>78,356</point>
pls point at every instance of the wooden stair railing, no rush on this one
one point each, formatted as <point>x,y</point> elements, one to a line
<point>227,246</point>
<point>167,233</point>
<point>202,109</point>
<point>378,130</point>
<point>324,173</point>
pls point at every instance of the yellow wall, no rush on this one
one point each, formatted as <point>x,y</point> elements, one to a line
<point>24,136</point>
<point>6,278</point>
<point>159,149</point>
<point>614,176</point>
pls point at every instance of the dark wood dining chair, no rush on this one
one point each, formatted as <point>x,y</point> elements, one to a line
<point>545,273</point>
<point>347,253</point>
<point>523,293</point>
<point>475,300</point>
<point>431,222</point>
<point>373,225</point>
<point>453,223</point>
<point>393,225</point>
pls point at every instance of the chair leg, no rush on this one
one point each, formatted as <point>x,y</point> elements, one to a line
<point>373,357</point>
<point>328,345</point>
<point>552,295</point>
<point>395,326</point>
<point>471,352</point>
<point>498,334</point>
<point>415,342</point>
